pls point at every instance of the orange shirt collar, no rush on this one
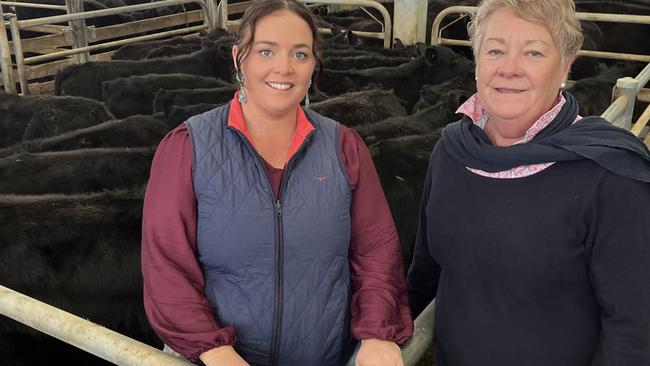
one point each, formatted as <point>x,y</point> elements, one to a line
<point>303,125</point>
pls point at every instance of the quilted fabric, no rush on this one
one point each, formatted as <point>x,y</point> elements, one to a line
<point>304,301</point>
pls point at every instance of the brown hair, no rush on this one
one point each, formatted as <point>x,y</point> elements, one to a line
<point>261,8</point>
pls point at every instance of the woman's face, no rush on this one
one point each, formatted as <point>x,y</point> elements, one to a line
<point>519,72</point>
<point>278,68</point>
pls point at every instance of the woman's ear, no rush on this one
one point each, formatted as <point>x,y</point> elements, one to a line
<point>235,50</point>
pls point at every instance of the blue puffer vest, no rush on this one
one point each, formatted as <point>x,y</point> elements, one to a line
<point>277,270</point>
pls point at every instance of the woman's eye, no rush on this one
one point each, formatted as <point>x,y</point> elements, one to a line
<point>300,56</point>
<point>494,52</point>
<point>266,53</point>
<point>535,53</point>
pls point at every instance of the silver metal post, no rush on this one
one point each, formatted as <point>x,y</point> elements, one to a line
<point>5,58</point>
<point>410,21</point>
<point>626,86</point>
<point>18,53</point>
<point>79,30</point>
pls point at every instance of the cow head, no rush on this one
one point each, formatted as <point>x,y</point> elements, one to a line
<point>431,56</point>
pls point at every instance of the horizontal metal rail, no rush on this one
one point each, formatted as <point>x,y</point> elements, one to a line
<point>386,26</point>
<point>23,24</point>
<point>437,39</point>
<point>81,333</point>
<point>101,46</point>
<point>33,5</point>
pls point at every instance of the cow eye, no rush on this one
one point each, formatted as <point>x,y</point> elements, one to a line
<point>266,53</point>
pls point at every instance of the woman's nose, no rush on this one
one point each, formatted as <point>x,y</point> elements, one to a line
<point>510,67</point>
<point>283,65</point>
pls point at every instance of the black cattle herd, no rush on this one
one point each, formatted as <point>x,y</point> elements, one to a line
<point>73,167</point>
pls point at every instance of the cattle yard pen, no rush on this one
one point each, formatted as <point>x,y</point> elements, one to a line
<point>627,90</point>
<point>77,37</point>
<point>73,40</point>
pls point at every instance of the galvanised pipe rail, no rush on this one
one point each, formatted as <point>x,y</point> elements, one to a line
<point>23,24</point>
<point>50,56</point>
<point>387,26</point>
<point>436,38</point>
<point>33,5</point>
<point>81,333</point>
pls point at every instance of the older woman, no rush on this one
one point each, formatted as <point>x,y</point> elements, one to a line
<point>534,235</point>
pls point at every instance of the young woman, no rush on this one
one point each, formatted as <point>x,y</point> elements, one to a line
<point>267,239</point>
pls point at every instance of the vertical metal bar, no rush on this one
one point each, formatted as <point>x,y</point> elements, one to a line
<point>18,53</point>
<point>410,21</point>
<point>628,87</point>
<point>5,58</point>
<point>78,29</point>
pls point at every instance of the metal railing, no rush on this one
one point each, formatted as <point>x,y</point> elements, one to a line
<point>385,34</point>
<point>81,333</point>
<point>80,32</point>
<point>124,351</point>
<point>621,110</point>
<point>463,11</point>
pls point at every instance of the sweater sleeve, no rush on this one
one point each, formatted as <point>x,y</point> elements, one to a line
<point>174,300</point>
<point>424,272</point>
<point>619,265</point>
<point>379,302</point>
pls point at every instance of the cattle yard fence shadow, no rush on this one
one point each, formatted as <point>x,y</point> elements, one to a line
<point>124,351</point>
<point>627,91</point>
<point>55,48</point>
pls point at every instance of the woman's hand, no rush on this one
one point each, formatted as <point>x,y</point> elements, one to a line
<point>221,356</point>
<point>377,352</point>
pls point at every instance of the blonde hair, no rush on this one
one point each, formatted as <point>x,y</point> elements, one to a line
<point>557,15</point>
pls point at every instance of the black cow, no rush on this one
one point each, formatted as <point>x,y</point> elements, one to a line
<point>452,92</point>
<point>86,79</point>
<point>402,164</point>
<point>80,253</point>
<point>75,171</point>
<point>594,94</point>
<point>180,114</point>
<point>127,96</point>
<point>133,131</point>
<point>141,50</point>
<point>25,118</point>
<point>436,65</point>
<point>165,99</point>
<point>363,62</point>
<point>421,123</point>
<point>358,108</point>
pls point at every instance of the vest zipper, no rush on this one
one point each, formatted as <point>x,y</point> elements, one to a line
<point>279,243</point>
<point>279,282</point>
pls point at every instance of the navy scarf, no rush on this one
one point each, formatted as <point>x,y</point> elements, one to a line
<point>593,138</point>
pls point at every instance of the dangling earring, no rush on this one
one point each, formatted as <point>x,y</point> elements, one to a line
<point>307,95</point>
<point>239,77</point>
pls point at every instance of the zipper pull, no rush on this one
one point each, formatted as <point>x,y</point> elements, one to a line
<point>278,208</point>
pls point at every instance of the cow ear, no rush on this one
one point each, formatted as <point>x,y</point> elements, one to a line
<point>431,56</point>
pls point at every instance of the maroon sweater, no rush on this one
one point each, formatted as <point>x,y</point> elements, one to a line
<point>173,281</point>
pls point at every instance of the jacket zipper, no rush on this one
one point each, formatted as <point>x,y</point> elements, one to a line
<point>279,244</point>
